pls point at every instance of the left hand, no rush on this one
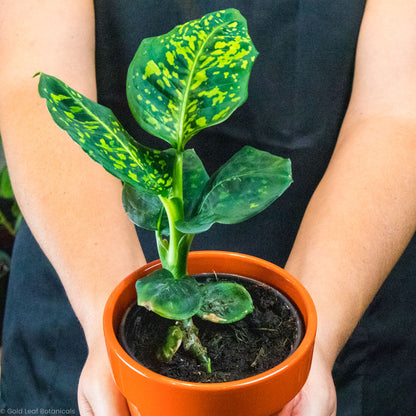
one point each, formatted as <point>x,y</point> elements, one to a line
<point>318,396</point>
<point>97,393</point>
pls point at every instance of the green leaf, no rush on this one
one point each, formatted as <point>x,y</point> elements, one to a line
<point>243,187</point>
<point>171,298</point>
<point>145,209</point>
<point>6,190</point>
<point>195,177</point>
<point>173,342</point>
<point>225,302</point>
<point>2,157</point>
<point>99,133</point>
<point>191,78</point>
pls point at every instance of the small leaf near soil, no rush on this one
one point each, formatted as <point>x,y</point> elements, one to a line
<point>225,302</point>
<point>171,298</point>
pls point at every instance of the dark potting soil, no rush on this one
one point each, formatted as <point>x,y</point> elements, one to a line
<point>257,343</point>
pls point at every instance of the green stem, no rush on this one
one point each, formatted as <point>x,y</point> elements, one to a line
<point>175,258</point>
<point>184,333</point>
<point>192,343</point>
<point>175,254</point>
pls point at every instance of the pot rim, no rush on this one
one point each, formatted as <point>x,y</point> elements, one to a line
<point>310,319</point>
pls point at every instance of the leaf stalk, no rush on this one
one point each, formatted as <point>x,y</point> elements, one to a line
<point>174,254</point>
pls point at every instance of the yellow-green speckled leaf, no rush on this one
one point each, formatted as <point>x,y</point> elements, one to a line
<point>96,129</point>
<point>193,77</point>
<point>241,188</point>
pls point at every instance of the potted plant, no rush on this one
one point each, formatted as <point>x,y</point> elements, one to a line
<point>193,77</point>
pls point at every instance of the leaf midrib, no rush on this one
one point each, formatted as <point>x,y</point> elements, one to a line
<point>189,81</point>
<point>80,101</point>
<point>121,142</point>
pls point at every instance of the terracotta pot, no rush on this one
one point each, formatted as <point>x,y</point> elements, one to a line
<point>151,394</point>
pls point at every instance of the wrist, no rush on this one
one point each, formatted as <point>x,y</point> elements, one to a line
<point>339,303</point>
<point>327,347</point>
<point>91,318</point>
<point>89,291</point>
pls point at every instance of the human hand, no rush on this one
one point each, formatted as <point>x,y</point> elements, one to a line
<point>97,393</point>
<point>318,396</point>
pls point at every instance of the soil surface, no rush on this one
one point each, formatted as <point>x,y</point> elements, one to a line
<point>257,343</point>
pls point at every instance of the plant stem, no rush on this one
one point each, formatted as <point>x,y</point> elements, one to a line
<point>178,247</point>
<point>184,333</point>
<point>174,256</point>
<point>192,343</point>
<point>175,259</point>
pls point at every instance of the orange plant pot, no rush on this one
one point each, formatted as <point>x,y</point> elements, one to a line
<point>151,394</point>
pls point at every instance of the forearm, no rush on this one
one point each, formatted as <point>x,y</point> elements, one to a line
<point>72,206</point>
<point>357,224</point>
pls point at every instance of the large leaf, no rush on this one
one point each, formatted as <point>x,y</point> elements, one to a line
<point>99,133</point>
<point>225,302</point>
<point>244,186</point>
<point>171,298</point>
<point>145,209</point>
<point>193,77</point>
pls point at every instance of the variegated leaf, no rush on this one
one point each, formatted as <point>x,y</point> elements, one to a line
<point>171,298</point>
<point>193,77</point>
<point>145,210</point>
<point>96,129</point>
<point>243,187</point>
<point>225,302</point>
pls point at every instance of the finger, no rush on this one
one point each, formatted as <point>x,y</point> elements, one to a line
<point>84,406</point>
<point>98,395</point>
<point>107,402</point>
<point>289,409</point>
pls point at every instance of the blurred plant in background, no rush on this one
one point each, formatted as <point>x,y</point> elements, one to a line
<point>10,215</point>
<point>10,218</point>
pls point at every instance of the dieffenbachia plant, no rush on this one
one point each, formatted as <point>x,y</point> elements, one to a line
<point>179,83</point>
